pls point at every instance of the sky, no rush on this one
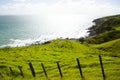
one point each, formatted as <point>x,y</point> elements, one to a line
<point>52,7</point>
<point>62,14</point>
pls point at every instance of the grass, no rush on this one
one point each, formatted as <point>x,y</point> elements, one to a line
<point>111,46</point>
<point>105,29</point>
<point>118,28</point>
<point>65,51</point>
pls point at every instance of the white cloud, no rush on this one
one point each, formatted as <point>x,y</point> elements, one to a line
<point>86,7</point>
<point>20,0</point>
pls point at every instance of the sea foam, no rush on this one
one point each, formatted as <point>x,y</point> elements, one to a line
<point>30,41</point>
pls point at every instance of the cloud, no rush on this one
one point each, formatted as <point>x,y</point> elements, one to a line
<point>86,7</point>
<point>20,0</point>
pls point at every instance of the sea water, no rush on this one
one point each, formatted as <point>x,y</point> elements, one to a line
<point>27,30</point>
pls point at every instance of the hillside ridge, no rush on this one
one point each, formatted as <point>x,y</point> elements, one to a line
<point>105,29</point>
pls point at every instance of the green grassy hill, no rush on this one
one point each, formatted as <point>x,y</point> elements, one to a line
<point>62,50</point>
<point>104,37</point>
<point>111,46</point>
<point>65,51</point>
<point>105,29</point>
<point>106,34</point>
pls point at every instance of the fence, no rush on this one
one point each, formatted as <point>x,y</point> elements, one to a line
<point>59,69</point>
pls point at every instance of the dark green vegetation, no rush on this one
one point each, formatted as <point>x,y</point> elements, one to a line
<point>106,34</point>
<point>66,51</point>
<point>104,30</point>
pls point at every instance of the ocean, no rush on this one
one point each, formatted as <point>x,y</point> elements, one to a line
<point>27,30</point>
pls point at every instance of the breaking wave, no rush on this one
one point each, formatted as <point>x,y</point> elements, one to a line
<point>30,41</point>
<point>43,39</point>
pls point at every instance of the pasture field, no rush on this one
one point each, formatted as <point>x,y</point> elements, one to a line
<point>62,50</point>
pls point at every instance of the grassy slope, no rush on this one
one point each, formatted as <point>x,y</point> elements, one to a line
<point>65,51</point>
<point>106,29</point>
<point>107,40</point>
<point>104,37</point>
<point>111,46</point>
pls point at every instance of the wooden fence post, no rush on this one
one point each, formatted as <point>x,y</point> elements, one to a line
<point>12,72</point>
<point>44,70</point>
<point>102,68</point>
<point>79,66</point>
<point>21,72</point>
<point>1,74</point>
<point>59,69</point>
<point>32,69</point>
